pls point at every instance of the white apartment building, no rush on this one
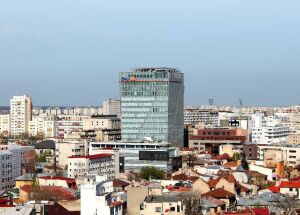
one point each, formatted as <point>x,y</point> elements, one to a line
<point>289,154</point>
<point>44,125</point>
<point>67,149</point>
<point>112,107</point>
<point>96,197</point>
<point>195,116</point>
<point>67,124</point>
<point>270,135</point>
<point>100,164</point>
<point>5,124</point>
<point>268,129</point>
<point>102,122</point>
<point>20,114</point>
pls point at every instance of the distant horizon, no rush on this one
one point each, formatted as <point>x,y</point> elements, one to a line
<point>207,105</point>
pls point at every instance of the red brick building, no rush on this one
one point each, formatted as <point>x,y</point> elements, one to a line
<point>209,139</point>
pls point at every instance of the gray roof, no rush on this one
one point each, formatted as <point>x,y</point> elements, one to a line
<point>46,144</point>
<point>161,199</point>
<point>264,199</point>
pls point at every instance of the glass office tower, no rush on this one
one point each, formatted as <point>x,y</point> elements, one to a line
<point>152,104</point>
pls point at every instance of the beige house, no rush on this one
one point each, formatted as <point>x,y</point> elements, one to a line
<point>294,139</point>
<point>200,186</point>
<point>135,197</point>
<point>162,204</point>
<point>226,185</point>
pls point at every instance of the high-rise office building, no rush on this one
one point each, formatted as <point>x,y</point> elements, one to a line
<point>152,104</point>
<point>20,115</point>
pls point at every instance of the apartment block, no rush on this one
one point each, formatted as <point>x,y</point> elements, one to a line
<point>272,154</point>
<point>112,107</point>
<point>43,125</point>
<point>20,115</point>
<point>69,148</point>
<point>100,164</point>
<point>197,116</point>
<point>5,124</point>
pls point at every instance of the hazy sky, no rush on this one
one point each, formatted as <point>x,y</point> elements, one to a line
<point>69,52</point>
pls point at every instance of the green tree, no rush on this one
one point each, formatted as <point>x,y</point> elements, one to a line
<point>236,156</point>
<point>152,172</point>
<point>244,162</point>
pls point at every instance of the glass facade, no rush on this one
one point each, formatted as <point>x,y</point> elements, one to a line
<point>152,104</point>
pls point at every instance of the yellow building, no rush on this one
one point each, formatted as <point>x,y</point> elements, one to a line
<point>24,180</point>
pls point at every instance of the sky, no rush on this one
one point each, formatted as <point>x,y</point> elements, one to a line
<point>70,52</point>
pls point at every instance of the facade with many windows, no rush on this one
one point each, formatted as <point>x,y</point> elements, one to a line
<point>20,114</point>
<point>152,104</point>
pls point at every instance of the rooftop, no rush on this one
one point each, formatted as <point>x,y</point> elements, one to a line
<point>161,199</point>
<point>93,157</point>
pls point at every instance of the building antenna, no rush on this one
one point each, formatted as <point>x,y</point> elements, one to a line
<point>241,102</point>
<point>211,103</point>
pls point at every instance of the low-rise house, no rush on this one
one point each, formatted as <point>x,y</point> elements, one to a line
<point>28,192</point>
<point>211,205</point>
<point>57,181</point>
<point>26,179</point>
<point>120,185</point>
<point>200,186</point>
<point>162,205</point>
<point>223,195</point>
<point>291,188</point>
<point>45,146</point>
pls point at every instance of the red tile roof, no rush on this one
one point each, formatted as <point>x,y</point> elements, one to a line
<point>230,164</point>
<point>261,211</point>
<point>57,191</point>
<point>187,149</point>
<point>274,189</point>
<point>114,204</point>
<point>290,184</point>
<point>250,211</point>
<point>120,183</point>
<point>219,193</point>
<point>222,157</point>
<point>184,177</point>
<point>179,189</point>
<point>295,179</point>
<point>92,157</point>
<point>58,178</point>
<point>213,182</point>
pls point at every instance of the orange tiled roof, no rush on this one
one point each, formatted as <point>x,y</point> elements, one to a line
<point>219,193</point>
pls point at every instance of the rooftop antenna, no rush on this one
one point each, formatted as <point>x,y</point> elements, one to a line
<point>241,102</point>
<point>211,102</point>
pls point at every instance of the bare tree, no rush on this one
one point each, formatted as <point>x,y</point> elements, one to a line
<point>288,204</point>
<point>190,160</point>
<point>191,202</point>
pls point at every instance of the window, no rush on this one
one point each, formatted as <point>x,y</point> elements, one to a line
<point>157,209</point>
<point>291,189</point>
<point>172,208</point>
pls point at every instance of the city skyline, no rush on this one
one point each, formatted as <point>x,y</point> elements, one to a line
<point>227,50</point>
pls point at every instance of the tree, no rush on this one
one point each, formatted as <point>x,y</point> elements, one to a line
<point>152,172</point>
<point>244,163</point>
<point>236,156</point>
<point>191,160</point>
<point>287,204</point>
<point>191,202</point>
